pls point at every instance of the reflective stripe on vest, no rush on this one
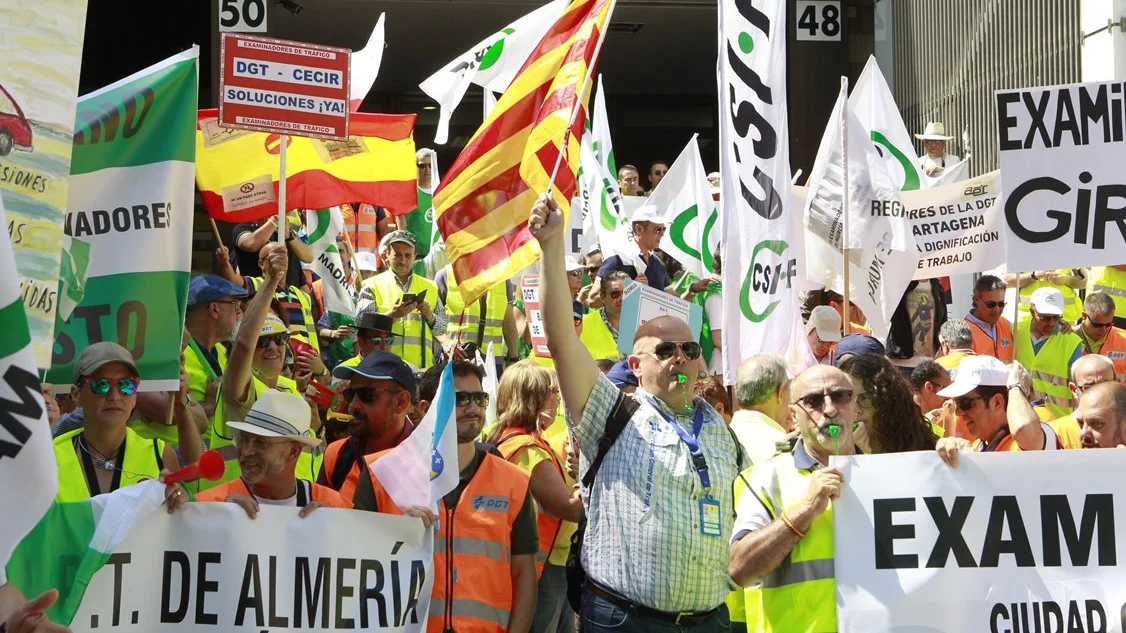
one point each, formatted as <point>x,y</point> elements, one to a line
<point>308,326</point>
<point>1048,368</point>
<point>1111,281</point>
<point>496,303</point>
<point>805,577</point>
<point>362,226</point>
<point>139,463</point>
<point>598,338</point>
<point>409,330</point>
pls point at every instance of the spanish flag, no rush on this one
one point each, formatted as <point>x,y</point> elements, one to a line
<point>482,205</point>
<point>237,171</point>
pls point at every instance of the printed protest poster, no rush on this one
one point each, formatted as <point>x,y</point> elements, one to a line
<point>42,44</point>
<point>958,228</point>
<point>1061,151</point>
<point>641,304</point>
<point>131,198</point>
<point>1021,542</point>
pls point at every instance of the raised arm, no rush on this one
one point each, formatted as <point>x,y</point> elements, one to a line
<point>236,378</point>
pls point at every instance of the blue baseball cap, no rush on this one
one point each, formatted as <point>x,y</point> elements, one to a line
<point>380,365</point>
<point>208,288</point>
<point>621,375</point>
<point>858,344</point>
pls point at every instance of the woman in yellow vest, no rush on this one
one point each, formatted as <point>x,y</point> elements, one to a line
<point>105,454</point>
<point>527,403</point>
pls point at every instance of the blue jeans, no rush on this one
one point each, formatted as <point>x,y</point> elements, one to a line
<point>553,612</point>
<point>601,616</point>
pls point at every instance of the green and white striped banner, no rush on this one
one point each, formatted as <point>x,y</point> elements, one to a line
<point>131,197</point>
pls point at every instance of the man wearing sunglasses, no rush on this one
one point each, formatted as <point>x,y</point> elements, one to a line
<point>648,229</point>
<point>783,534</point>
<point>373,334</point>
<point>214,306</point>
<point>657,171</point>
<point>992,333</point>
<point>600,327</point>
<point>1048,351</point>
<point>380,391</point>
<point>665,486</point>
<point>1098,332</point>
<point>105,454</point>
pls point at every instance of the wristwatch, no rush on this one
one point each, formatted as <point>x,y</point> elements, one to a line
<point>1020,386</point>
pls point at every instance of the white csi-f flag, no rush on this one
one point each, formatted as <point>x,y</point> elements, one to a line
<point>27,459</point>
<point>882,252</point>
<point>760,262</point>
<point>365,66</point>
<point>492,63</point>
<point>875,108</point>
<point>324,226</point>
<point>684,198</point>
<point>421,470</point>
<point>603,148</point>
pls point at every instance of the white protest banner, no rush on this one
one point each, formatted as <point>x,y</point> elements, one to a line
<point>1061,153</point>
<point>641,304</point>
<point>131,198</point>
<point>210,568</point>
<point>1021,542</point>
<point>760,304</point>
<point>958,228</point>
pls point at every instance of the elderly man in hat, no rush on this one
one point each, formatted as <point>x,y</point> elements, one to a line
<point>373,334</point>
<point>823,332</point>
<point>268,443</point>
<point>935,160</point>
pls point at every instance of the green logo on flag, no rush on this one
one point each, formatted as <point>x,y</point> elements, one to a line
<point>676,234</point>
<point>764,279</point>
<point>911,176</point>
<point>495,51</point>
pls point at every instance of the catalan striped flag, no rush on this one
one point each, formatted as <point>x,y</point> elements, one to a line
<point>482,205</point>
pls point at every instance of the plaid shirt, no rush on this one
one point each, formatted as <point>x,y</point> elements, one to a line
<point>643,538</point>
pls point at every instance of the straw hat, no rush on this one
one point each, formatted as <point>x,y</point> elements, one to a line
<point>936,131</point>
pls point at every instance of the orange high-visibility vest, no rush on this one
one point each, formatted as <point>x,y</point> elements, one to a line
<point>1114,348</point>
<point>472,549</point>
<point>362,226</point>
<point>307,492</point>
<point>510,445</point>
<point>1002,349</point>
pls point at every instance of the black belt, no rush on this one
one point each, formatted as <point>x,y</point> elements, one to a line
<point>685,618</point>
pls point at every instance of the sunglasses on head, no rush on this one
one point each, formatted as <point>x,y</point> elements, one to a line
<point>479,398</point>
<point>101,386</point>
<point>367,395</point>
<point>816,401</point>
<point>667,349</point>
<point>281,340</point>
<point>993,304</point>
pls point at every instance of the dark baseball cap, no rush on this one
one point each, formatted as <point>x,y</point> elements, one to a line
<point>100,354</point>
<point>380,365</point>
<point>858,344</point>
<point>208,288</point>
<point>621,375</point>
<point>372,320</point>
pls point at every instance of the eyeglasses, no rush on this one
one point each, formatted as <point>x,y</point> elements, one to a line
<point>1099,326</point>
<point>667,349</point>
<point>993,304</point>
<point>423,165</point>
<point>479,398</point>
<point>1085,387</point>
<point>1049,318</point>
<point>615,294</point>
<point>575,273</point>
<point>659,230</point>
<point>816,401</point>
<point>281,340</point>
<point>258,443</point>
<point>659,172</point>
<point>866,401</point>
<point>100,386</point>
<point>965,403</point>
<point>366,394</point>
<point>233,302</point>
<point>386,339</point>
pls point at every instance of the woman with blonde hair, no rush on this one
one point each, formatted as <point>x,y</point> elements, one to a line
<point>527,403</point>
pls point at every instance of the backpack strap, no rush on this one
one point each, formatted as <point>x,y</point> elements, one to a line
<point>623,410</point>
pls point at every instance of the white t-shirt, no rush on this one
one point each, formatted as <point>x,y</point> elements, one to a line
<point>290,502</point>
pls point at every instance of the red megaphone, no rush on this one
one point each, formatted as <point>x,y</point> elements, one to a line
<point>210,467</point>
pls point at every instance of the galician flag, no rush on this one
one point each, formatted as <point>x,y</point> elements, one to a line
<point>685,199</point>
<point>365,66</point>
<point>74,540</point>
<point>422,469</point>
<point>323,227</point>
<point>27,460</point>
<point>492,63</point>
<point>875,108</point>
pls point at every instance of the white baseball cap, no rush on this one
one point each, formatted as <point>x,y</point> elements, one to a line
<point>365,261</point>
<point>1047,301</point>
<point>572,264</point>
<point>974,372</point>
<point>827,322</point>
<point>648,213</point>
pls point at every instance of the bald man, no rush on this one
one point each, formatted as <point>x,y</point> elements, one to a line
<point>1102,416</point>
<point>1088,371</point>
<point>648,503</point>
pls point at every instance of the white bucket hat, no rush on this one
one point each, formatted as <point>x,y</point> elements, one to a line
<point>278,414</point>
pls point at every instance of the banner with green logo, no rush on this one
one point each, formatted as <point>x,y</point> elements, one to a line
<point>685,199</point>
<point>872,103</point>
<point>131,197</point>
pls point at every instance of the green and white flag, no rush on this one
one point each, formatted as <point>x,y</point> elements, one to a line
<point>323,227</point>
<point>131,194</point>
<point>72,541</point>
<point>603,147</point>
<point>492,63</point>
<point>27,460</point>
<point>684,198</point>
<point>873,105</point>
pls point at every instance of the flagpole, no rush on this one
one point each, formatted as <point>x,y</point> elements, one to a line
<point>283,227</point>
<point>844,204</point>
<point>582,91</point>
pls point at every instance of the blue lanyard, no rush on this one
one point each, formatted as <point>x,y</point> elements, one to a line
<point>693,445</point>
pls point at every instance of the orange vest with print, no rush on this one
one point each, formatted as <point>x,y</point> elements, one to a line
<point>1114,348</point>
<point>1001,349</point>
<point>362,225</point>
<point>510,445</point>
<point>472,549</point>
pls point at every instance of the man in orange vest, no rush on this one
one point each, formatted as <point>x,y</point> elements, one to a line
<point>268,443</point>
<point>487,538</point>
<point>1098,333</point>
<point>992,333</point>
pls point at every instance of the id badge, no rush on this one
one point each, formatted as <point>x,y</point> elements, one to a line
<point>709,517</point>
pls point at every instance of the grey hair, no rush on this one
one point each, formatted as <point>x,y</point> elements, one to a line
<point>1087,359</point>
<point>759,377</point>
<point>1098,303</point>
<point>956,333</point>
